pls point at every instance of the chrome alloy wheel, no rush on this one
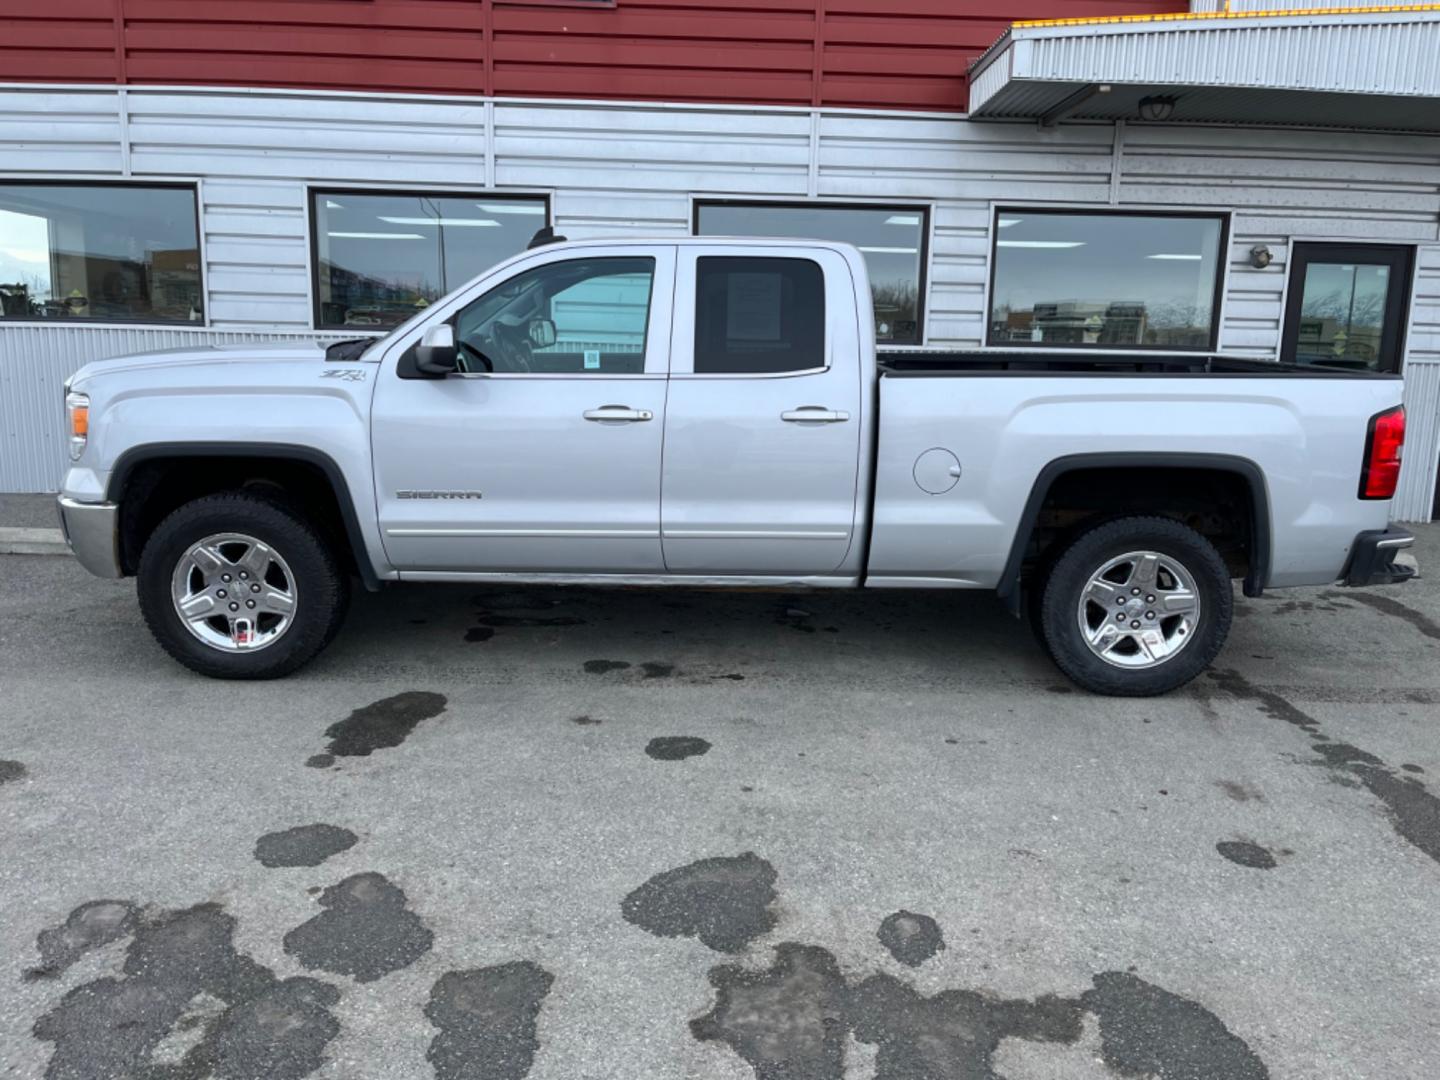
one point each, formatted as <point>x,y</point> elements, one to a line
<point>234,593</point>
<point>1139,610</point>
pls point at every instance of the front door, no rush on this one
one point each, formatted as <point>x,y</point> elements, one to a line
<point>543,453</point>
<point>763,424</point>
<point>1347,306</point>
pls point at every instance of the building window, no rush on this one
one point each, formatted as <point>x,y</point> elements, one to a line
<point>1347,306</point>
<point>99,252</point>
<point>1068,280</point>
<point>892,239</point>
<point>380,256</point>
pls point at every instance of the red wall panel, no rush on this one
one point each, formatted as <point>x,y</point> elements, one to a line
<point>904,54</point>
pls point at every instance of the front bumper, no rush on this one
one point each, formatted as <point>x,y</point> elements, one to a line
<point>1372,559</point>
<point>91,530</point>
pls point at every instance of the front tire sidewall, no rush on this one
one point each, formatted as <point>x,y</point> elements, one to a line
<point>320,587</point>
<point>1059,625</point>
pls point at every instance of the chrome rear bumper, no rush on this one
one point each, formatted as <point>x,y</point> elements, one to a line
<point>91,530</point>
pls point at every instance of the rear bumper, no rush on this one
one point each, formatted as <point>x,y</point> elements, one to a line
<point>90,530</point>
<point>1372,559</point>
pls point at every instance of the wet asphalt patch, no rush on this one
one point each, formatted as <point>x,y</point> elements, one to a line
<point>366,931</point>
<point>1244,853</point>
<point>487,1020</point>
<point>304,845</point>
<point>379,726</point>
<point>604,667</point>
<point>724,902</point>
<point>11,771</point>
<point>911,939</point>
<point>89,926</point>
<point>1413,810</point>
<point>676,747</point>
<point>189,1006</point>
<point>1386,606</point>
<point>477,634</point>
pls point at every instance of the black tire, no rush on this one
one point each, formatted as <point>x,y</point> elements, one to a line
<point>1059,622</point>
<point>322,589</point>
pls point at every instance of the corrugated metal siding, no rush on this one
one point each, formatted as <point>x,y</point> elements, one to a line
<point>1284,5</point>
<point>909,54</point>
<point>1415,500</point>
<point>35,361</point>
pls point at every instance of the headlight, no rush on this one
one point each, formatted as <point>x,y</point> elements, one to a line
<point>77,409</point>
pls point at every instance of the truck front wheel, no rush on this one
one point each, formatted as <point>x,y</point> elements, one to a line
<point>1136,607</point>
<point>239,587</point>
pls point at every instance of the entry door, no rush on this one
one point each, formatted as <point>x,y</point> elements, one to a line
<point>763,425</point>
<point>543,453</point>
<point>1347,306</point>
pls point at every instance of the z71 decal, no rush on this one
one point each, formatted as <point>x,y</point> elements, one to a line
<point>347,373</point>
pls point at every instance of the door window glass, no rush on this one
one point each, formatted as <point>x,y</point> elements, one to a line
<point>582,317</point>
<point>758,316</point>
<point>891,238</point>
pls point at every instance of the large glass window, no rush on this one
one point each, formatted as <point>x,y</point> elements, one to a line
<point>104,252</point>
<point>758,316</point>
<point>892,239</point>
<point>382,256</point>
<point>1106,280</point>
<point>582,317</point>
<point>1347,305</point>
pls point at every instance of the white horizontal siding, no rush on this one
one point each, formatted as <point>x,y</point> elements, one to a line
<point>70,132</point>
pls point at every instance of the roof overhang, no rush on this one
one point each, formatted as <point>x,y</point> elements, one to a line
<point>1375,69</point>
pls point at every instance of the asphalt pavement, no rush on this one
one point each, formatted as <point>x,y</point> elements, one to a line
<point>511,833</point>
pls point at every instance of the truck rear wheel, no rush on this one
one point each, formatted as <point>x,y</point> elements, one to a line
<point>1136,607</point>
<point>235,586</point>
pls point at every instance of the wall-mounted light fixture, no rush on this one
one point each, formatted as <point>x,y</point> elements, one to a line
<point>1161,107</point>
<point>1260,256</point>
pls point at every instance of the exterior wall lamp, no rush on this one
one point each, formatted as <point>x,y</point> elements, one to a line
<point>1157,108</point>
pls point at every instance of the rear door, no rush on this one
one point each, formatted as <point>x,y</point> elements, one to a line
<point>542,455</point>
<point>763,423</point>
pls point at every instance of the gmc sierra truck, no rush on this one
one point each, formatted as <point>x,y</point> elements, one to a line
<point>711,413</point>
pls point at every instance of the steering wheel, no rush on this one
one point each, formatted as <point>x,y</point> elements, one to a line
<point>514,345</point>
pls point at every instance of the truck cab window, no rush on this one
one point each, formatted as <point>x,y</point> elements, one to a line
<point>758,316</point>
<point>583,317</point>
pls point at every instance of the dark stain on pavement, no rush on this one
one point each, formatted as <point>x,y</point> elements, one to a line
<point>585,721</point>
<point>953,1035</point>
<point>1147,1031</point>
<point>725,902</point>
<point>383,724</point>
<point>657,671</point>
<point>1239,792</point>
<point>89,926</point>
<point>912,939</point>
<point>603,667</point>
<point>1386,606</point>
<point>11,771</point>
<point>182,974</point>
<point>366,932</point>
<point>319,761</point>
<point>1413,810</point>
<point>676,747</point>
<point>478,634</point>
<point>487,1021</point>
<point>304,845</point>
<point>528,622</point>
<point>788,1022</point>
<point>1244,853</point>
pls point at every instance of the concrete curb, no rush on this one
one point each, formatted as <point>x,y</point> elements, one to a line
<point>32,542</point>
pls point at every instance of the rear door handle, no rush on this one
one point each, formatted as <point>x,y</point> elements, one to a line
<point>618,414</point>
<point>814,414</point>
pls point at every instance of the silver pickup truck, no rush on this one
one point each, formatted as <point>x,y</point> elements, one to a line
<point>709,413</point>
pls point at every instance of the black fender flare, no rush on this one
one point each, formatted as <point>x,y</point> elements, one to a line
<point>136,455</point>
<point>1008,588</point>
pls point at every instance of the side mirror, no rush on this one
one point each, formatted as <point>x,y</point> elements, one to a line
<point>436,355</point>
<point>543,333</point>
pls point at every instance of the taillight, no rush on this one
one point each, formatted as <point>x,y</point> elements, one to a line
<point>1381,470</point>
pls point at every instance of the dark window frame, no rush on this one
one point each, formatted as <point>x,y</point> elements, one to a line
<point>192,186</point>
<point>1399,257</point>
<point>925,210</point>
<point>1222,268</point>
<point>314,191</point>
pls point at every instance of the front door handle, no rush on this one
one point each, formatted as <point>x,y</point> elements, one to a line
<point>618,414</point>
<point>814,414</point>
